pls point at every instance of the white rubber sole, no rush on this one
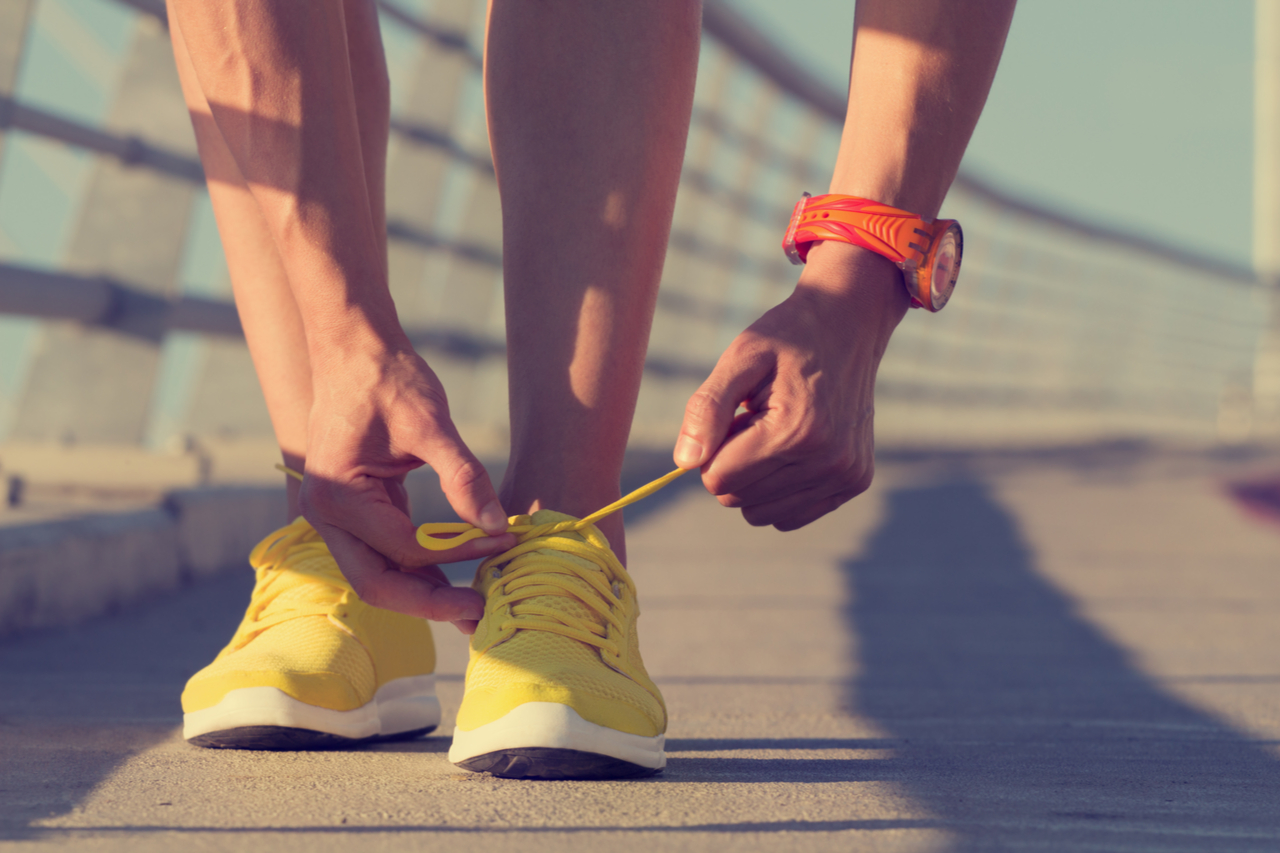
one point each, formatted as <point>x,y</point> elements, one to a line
<point>403,705</point>
<point>550,725</point>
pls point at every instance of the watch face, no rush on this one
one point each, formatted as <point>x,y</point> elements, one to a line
<point>946,265</point>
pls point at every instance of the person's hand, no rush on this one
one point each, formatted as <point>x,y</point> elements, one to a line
<point>805,373</point>
<point>378,415</point>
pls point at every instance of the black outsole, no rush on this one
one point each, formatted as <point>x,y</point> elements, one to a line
<point>546,763</point>
<point>286,739</point>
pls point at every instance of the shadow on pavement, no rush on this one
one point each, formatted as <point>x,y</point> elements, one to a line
<point>78,702</point>
<point>1014,716</point>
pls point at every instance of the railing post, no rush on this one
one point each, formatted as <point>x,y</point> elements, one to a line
<point>14,15</point>
<point>1266,207</point>
<point>16,334</point>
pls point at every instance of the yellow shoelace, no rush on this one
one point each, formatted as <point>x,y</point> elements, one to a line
<point>541,566</point>
<point>269,557</point>
<point>429,535</point>
<point>550,574</point>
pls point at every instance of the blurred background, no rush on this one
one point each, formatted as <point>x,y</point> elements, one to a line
<point>1109,291</point>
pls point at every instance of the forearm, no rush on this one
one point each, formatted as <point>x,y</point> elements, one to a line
<point>279,87</point>
<point>920,75</point>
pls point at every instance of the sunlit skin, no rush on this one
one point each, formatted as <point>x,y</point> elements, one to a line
<point>292,121</point>
<point>806,370</point>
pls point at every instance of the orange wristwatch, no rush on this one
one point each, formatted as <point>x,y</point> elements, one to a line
<point>928,253</point>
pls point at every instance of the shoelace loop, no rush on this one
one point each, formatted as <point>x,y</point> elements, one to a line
<point>429,535</point>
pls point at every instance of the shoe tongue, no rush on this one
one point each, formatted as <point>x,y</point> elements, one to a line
<point>550,516</point>
<point>303,591</point>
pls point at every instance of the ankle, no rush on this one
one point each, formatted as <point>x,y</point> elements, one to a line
<point>578,490</point>
<point>293,488</point>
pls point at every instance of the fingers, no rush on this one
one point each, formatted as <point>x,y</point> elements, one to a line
<point>805,445</point>
<point>373,421</point>
<point>710,411</point>
<point>373,524</point>
<point>364,509</point>
<point>799,509</point>
<point>749,455</point>
<point>767,486</point>
<point>464,481</point>
<point>792,495</point>
<point>424,594</point>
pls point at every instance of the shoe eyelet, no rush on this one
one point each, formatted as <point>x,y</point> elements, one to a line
<point>496,573</point>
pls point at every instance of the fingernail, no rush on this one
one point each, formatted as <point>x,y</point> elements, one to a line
<point>492,518</point>
<point>688,452</point>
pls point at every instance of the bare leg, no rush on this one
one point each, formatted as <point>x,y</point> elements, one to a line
<point>268,311</point>
<point>588,106</point>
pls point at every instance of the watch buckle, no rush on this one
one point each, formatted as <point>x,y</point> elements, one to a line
<point>789,240</point>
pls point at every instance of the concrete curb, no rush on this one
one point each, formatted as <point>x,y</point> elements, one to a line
<point>56,573</point>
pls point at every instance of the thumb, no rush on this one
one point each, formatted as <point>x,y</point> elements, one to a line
<point>464,481</point>
<point>710,410</point>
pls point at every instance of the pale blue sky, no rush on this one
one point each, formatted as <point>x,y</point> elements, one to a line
<point>1135,113</point>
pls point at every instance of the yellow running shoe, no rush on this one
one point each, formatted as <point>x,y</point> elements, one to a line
<point>555,686</point>
<point>311,665</point>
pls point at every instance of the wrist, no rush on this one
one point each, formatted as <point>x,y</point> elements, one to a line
<point>862,289</point>
<point>338,341</point>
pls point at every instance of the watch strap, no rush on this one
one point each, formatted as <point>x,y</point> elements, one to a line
<point>902,237</point>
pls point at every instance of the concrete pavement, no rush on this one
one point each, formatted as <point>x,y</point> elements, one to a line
<point>1078,652</point>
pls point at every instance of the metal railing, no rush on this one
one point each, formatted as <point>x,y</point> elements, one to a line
<point>120,331</point>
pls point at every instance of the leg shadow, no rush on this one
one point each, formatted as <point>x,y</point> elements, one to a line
<point>1020,723</point>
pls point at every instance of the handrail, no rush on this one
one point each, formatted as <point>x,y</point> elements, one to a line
<point>1236,273</point>
<point>105,302</point>
<point>130,150</point>
<point>444,38</point>
<point>135,151</point>
<point>129,310</point>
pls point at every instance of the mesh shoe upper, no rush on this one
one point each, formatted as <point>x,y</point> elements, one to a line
<point>308,634</point>
<point>560,626</point>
